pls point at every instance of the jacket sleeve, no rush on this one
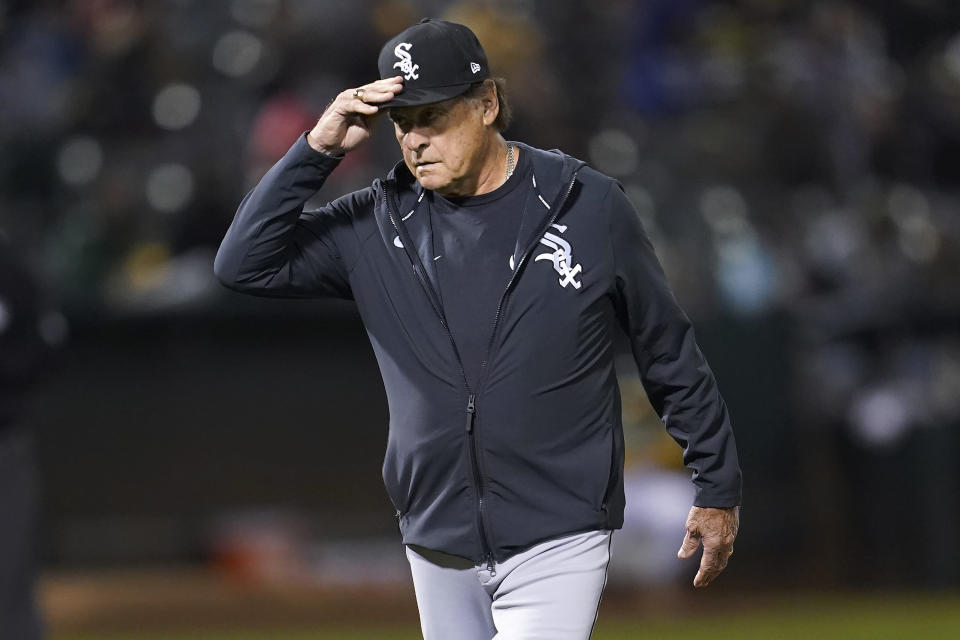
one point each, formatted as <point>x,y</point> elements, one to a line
<point>674,373</point>
<point>273,247</point>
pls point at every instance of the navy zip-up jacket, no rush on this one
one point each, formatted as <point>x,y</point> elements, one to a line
<point>535,451</point>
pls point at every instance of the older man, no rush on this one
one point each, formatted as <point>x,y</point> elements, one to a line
<point>490,277</point>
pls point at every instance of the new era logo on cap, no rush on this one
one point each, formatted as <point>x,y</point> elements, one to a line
<point>438,60</point>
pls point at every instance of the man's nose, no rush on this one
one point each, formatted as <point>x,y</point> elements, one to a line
<point>415,141</point>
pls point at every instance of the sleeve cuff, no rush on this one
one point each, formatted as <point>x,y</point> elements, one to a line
<point>303,148</point>
<point>717,499</point>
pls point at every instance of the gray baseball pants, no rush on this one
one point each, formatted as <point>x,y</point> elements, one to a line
<point>548,592</point>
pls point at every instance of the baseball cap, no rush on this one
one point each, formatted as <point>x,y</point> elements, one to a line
<point>437,59</point>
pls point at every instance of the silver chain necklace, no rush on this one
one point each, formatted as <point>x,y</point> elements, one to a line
<point>511,163</point>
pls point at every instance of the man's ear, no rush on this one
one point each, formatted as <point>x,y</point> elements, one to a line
<point>491,106</point>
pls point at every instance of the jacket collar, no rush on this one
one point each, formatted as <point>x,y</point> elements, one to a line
<point>552,169</point>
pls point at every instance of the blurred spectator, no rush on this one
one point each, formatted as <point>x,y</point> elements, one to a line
<point>26,337</point>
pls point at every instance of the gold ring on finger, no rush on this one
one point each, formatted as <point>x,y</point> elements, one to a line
<point>358,93</point>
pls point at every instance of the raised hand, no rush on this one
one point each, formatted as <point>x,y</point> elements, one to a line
<point>349,120</point>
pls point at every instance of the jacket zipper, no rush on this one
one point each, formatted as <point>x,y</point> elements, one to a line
<point>471,405</point>
<point>478,482</point>
<point>471,398</point>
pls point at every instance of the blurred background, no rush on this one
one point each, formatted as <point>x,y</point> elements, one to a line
<point>188,458</point>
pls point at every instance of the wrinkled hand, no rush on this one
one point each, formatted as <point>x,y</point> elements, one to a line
<point>717,529</point>
<point>348,121</point>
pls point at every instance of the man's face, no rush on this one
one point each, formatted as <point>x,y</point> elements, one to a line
<point>443,144</point>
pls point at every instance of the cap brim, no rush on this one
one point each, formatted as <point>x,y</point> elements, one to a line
<point>417,97</point>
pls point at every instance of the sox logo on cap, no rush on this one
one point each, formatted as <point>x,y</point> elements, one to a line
<point>406,65</point>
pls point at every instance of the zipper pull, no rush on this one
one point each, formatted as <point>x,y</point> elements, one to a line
<point>471,412</point>
<point>490,566</point>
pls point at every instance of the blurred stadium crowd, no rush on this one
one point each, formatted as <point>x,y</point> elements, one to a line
<point>792,160</point>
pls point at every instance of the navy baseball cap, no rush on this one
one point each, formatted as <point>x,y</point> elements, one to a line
<point>438,60</point>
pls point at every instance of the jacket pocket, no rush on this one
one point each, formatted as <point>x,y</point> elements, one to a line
<point>395,491</point>
<point>398,506</point>
<point>615,468</point>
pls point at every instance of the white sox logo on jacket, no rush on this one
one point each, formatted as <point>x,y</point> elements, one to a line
<point>406,65</point>
<point>561,256</point>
